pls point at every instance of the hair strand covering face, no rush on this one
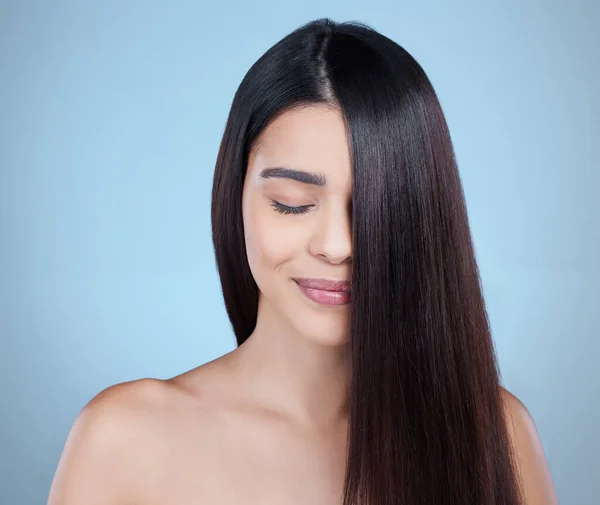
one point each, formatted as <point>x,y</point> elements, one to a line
<point>426,423</point>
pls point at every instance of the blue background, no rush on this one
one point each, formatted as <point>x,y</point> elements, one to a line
<point>111,116</point>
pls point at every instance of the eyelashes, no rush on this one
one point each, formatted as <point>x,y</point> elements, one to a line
<point>284,209</point>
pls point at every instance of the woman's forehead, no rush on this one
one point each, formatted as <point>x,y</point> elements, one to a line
<point>311,139</point>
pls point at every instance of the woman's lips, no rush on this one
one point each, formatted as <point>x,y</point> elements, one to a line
<point>325,296</point>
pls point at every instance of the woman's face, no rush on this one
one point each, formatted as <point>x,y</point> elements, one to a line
<point>312,240</point>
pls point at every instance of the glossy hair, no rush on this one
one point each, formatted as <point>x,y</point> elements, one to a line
<point>426,422</point>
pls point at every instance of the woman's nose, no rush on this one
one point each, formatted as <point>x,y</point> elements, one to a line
<point>332,240</point>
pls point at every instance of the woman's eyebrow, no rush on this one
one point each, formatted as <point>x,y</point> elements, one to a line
<point>313,178</point>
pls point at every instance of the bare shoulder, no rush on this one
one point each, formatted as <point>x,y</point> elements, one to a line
<point>529,453</point>
<point>114,442</point>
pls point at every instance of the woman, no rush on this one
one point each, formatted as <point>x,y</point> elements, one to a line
<point>365,371</point>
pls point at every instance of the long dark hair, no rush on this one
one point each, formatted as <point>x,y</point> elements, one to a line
<point>426,419</point>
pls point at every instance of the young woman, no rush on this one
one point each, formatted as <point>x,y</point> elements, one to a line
<point>365,371</point>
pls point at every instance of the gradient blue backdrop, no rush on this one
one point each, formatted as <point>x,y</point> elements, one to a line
<point>110,120</point>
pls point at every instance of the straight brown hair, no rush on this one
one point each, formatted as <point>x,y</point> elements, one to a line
<point>426,421</point>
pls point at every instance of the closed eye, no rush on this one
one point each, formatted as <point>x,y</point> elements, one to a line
<point>284,209</point>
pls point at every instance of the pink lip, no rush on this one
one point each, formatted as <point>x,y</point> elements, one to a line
<point>325,292</point>
<point>324,284</point>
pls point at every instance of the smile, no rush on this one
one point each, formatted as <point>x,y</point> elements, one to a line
<point>324,292</point>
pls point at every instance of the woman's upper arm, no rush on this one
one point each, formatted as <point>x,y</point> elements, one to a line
<point>98,462</point>
<point>534,472</point>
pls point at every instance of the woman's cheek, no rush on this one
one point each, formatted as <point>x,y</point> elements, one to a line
<point>281,241</point>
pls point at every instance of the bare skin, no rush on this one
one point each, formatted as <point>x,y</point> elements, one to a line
<point>267,422</point>
<point>154,442</point>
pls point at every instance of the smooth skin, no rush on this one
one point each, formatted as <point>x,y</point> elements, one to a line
<point>267,422</point>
